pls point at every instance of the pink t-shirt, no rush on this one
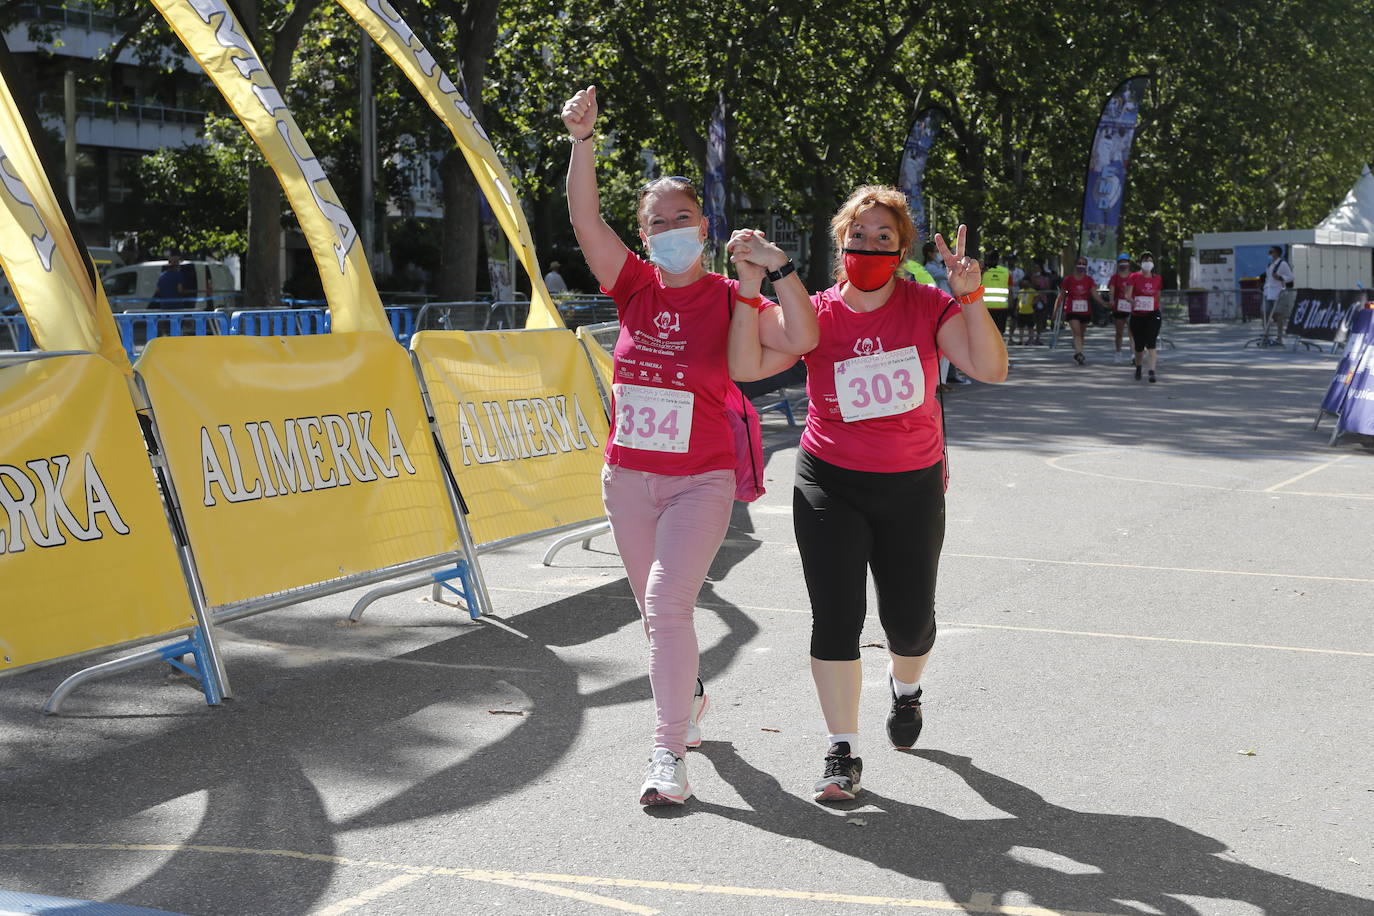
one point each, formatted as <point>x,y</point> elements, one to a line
<point>671,375</point>
<point>883,415</point>
<point>1145,292</point>
<point>1078,295</point>
<point>1116,285</point>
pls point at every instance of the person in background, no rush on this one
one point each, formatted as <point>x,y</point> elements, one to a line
<point>669,479</point>
<point>870,481</point>
<point>997,283</point>
<point>1121,303</point>
<point>1142,288</point>
<point>1043,282</point>
<point>1017,274</point>
<point>1026,296</point>
<point>1278,276</point>
<point>553,280</point>
<point>1077,293</point>
<point>171,282</point>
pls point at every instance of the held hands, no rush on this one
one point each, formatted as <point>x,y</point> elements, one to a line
<point>579,113</point>
<point>753,255</point>
<point>965,273</point>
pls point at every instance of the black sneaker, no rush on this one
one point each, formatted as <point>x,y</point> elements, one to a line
<point>904,721</point>
<point>1137,373</point>
<point>1078,358</point>
<point>840,781</point>
<point>1152,375</point>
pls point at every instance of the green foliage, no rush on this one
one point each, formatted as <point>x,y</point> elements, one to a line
<point>194,199</point>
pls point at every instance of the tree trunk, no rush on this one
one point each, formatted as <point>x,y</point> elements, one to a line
<point>262,267</point>
<point>818,270</point>
<point>457,280</point>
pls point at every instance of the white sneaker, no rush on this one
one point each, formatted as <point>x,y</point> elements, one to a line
<point>665,781</point>
<point>699,703</point>
<point>1117,357</point>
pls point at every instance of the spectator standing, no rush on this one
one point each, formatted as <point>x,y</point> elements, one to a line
<point>1278,276</point>
<point>171,283</point>
<point>553,280</point>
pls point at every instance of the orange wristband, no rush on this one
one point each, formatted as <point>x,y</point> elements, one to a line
<point>756,301</point>
<point>970,298</point>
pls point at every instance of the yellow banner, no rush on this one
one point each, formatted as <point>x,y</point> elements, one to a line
<point>522,423</point>
<point>65,308</point>
<point>86,556</point>
<point>404,47</point>
<point>297,460</point>
<point>216,40</point>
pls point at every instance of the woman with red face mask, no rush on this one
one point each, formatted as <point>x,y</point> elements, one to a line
<point>669,480</point>
<point>870,483</point>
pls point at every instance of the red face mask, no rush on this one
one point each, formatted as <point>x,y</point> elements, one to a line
<point>870,270</point>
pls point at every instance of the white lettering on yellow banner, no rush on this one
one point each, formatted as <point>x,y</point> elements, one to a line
<point>509,432</point>
<point>296,461</point>
<point>19,497</point>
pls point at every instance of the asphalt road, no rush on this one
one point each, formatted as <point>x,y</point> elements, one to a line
<point>1151,693</point>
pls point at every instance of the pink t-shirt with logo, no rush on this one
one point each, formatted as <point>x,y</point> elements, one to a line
<point>1143,287</point>
<point>1078,295</point>
<point>1116,285</point>
<point>671,374</point>
<point>870,355</point>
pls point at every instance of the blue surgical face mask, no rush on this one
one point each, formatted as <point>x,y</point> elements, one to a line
<point>677,250</point>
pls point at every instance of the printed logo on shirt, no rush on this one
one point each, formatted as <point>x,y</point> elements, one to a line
<point>667,322</point>
<point>867,346</point>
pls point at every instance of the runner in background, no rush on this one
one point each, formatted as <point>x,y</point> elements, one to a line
<point>870,484</point>
<point>1026,297</point>
<point>669,480</point>
<point>1142,288</point>
<point>1077,292</point>
<point>1121,303</point>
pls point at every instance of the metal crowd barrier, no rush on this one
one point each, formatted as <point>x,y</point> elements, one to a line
<point>579,310</point>
<point>137,328</point>
<point>279,322</point>
<point>458,316</point>
<point>16,330</point>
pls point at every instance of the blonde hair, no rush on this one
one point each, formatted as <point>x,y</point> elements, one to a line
<point>863,199</point>
<point>666,185</point>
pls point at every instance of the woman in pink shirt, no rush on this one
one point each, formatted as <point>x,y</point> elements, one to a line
<point>870,484</point>
<point>669,480</point>
<point>1142,288</point>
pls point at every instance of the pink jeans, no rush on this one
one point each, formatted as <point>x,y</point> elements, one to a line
<point>668,530</point>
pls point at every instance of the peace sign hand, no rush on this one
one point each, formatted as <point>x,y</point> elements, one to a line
<point>965,273</point>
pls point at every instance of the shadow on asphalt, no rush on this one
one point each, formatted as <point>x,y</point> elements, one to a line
<point>250,758</point>
<point>1117,857</point>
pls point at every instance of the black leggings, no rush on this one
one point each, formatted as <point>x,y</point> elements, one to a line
<point>1145,330</point>
<point>848,522</point>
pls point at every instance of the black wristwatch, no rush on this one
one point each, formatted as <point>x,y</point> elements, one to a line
<point>775,275</point>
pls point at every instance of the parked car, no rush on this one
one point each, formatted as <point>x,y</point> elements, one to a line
<point>209,285</point>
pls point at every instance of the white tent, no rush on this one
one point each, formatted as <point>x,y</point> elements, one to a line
<point>1352,222</point>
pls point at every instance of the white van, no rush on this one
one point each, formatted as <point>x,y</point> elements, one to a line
<point>133,288</point>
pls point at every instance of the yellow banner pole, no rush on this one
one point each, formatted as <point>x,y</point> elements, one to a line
<point>217,41</point>
<point>57,288</point>
<point>404,47</point>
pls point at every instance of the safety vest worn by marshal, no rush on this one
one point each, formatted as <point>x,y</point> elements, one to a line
<point>917,271</point>
<point>996,287</point>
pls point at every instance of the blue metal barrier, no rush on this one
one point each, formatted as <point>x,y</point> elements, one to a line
<point>402,320</point>
<point>279,322</point>
<point>137,328</point>
<point>16,332</point>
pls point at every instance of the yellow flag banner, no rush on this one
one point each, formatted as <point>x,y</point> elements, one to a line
<point>47,271</point>
<point>522,423</point>
<point>401,44</point>
<point>297,460</point>
<point>86,556</point>
<point>217,41</point>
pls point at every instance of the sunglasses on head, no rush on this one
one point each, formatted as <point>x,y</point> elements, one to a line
<point>649,185</point>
